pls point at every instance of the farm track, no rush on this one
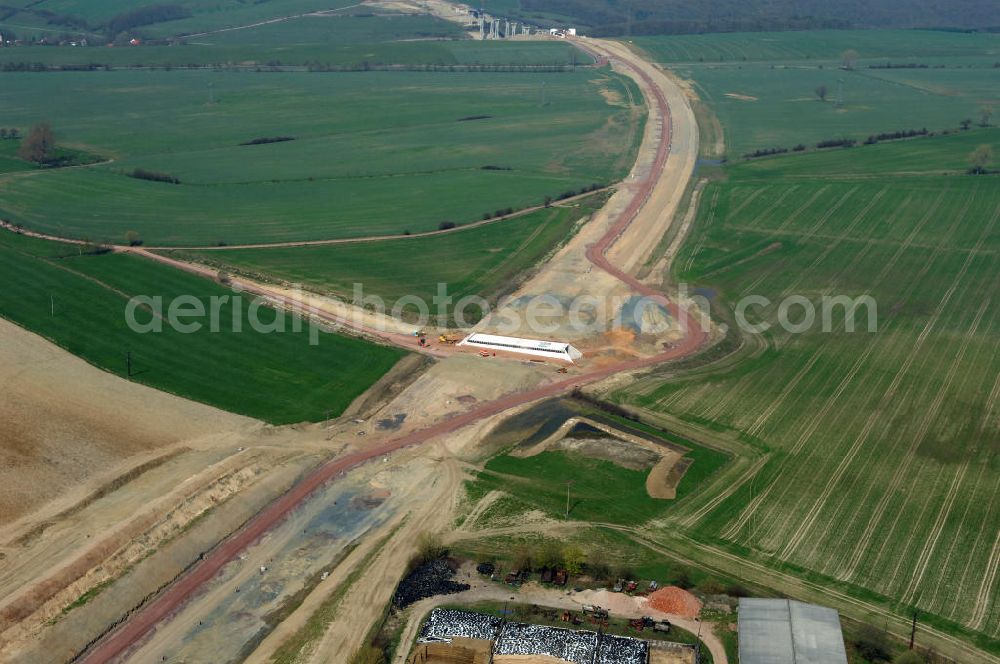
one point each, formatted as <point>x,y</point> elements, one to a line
<point>272,21</point>
<point>173,597</point>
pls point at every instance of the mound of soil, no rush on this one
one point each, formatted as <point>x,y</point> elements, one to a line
<point>676,601</point>
<point>428,580</point>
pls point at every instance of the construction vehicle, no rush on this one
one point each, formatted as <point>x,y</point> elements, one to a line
<point>484,353</point>
<point>449,339</point>
<point>596,611</point>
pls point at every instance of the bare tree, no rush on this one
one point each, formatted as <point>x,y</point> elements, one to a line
<point>985,115</point>
<point>38,144</point>
<point>821,92</point>
<point>966,123</point>
<point>980,159</point>
<point>849,58</point>
<point>133,239</point>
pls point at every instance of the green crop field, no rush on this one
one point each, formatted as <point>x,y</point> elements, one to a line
<point>763,86</point>
<point>93,17</point>
<point>822,46</point>
<point>880,460</point>
<point>9,161</point>
<point>352,37</point>
<point>79,302</point>
<point>483,261</point>
<point>374,152</point>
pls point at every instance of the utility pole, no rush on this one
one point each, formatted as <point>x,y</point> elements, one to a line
<point>52,304</point>
<point>128,364</point>
<point>569,483</point>
<point>913,629</point>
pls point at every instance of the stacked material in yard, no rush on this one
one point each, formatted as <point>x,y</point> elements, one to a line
<point>576,646</point>
<point>446,623</point>
<point>622,650</point>
<point>569,645</point>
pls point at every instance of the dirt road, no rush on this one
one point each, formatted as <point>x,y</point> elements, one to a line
<point>174,596</point>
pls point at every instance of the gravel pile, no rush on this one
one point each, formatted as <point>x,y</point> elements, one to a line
<point>433,578</point>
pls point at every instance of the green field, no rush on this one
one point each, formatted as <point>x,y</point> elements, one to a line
<point>822,46</point>
<point>602,491</point>
<point>936,155</point>
<point>93,16</point>
<point>79,302</point>
<point>9,161</point>
<point>762,86</point>
<point>344,40</point>
<point>374,153</point>
<point>320,56</point>
<point>882,460</point>
<point>484,261</point>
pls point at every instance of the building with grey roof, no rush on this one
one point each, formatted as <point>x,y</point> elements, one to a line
<point>782,631</point>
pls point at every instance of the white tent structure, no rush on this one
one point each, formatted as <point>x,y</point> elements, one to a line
<point>558,350</point>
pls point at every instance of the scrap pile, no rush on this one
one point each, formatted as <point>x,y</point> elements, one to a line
<point>447,623</point>
<point>433,578</point>
<point>521,639</point>
<point>622,650</point>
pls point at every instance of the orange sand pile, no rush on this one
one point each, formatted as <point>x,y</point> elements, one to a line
<point>676,601</point>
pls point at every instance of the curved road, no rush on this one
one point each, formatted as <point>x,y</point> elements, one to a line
<point>146,618</point>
